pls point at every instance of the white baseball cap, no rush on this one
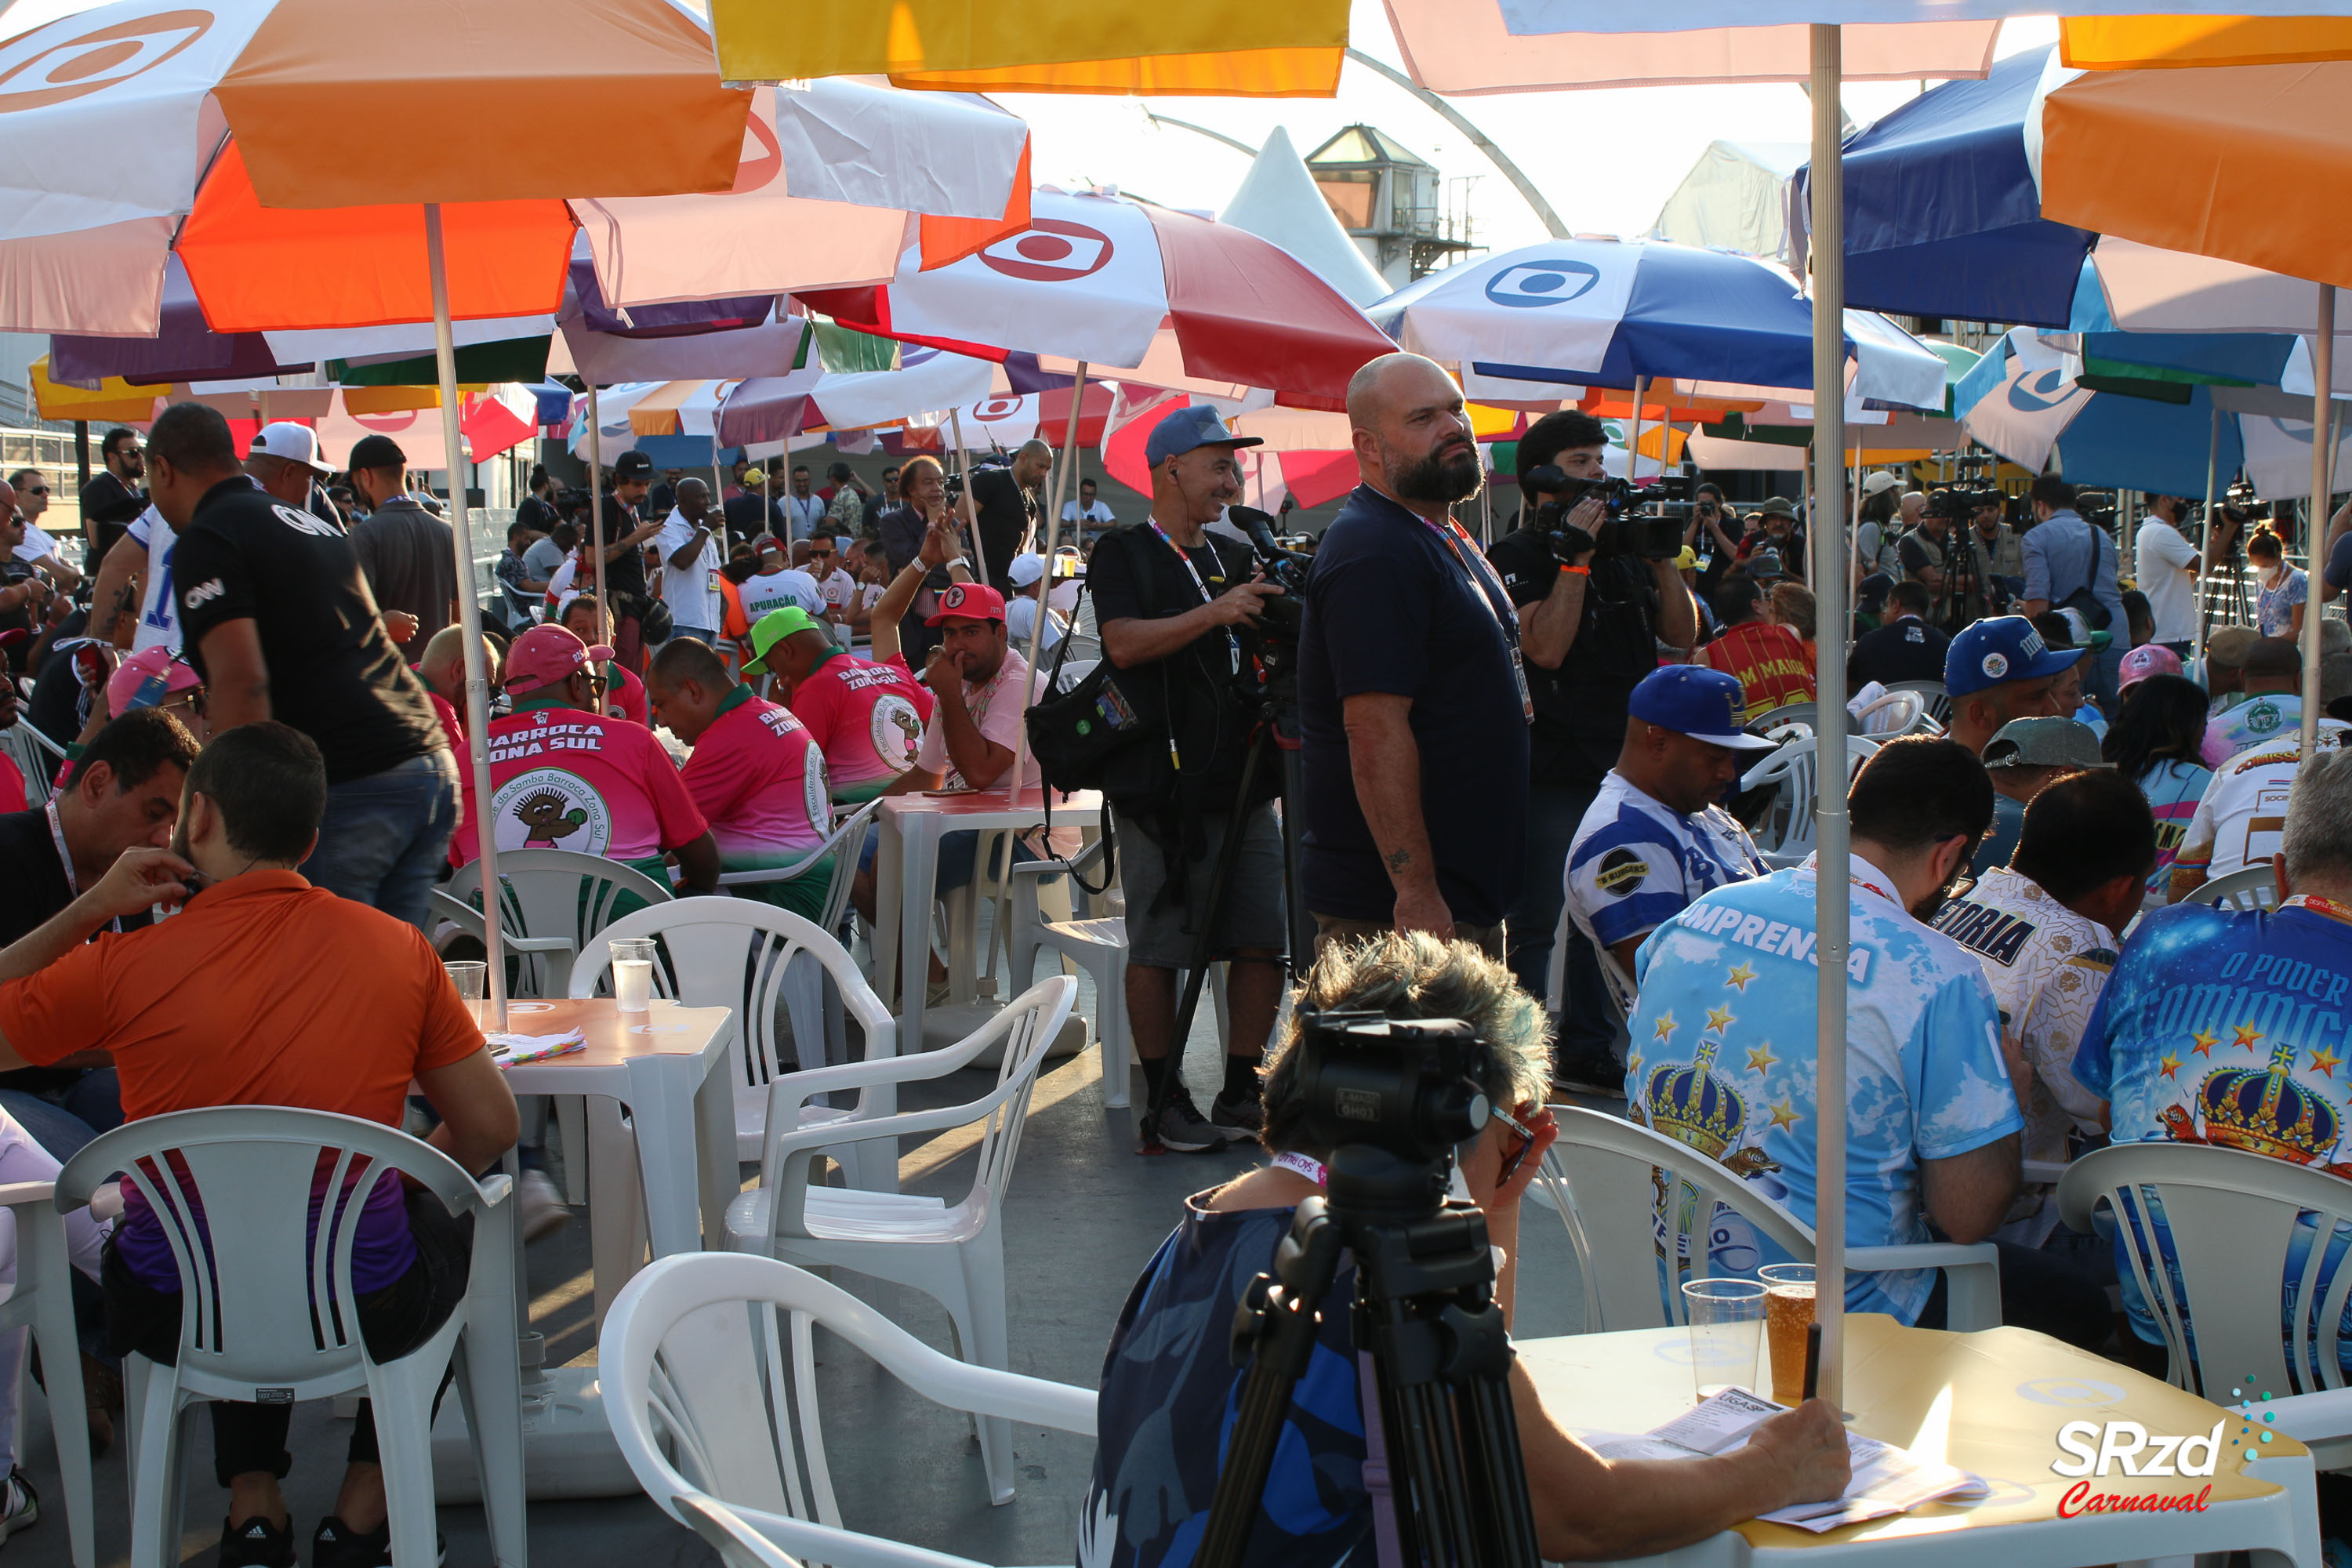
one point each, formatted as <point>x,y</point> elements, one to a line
<point>1025,568</point>
<point>295,443</point>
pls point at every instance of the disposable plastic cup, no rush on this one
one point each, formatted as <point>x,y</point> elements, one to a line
<point>472,978</point>
<point>632,973</point>
<point>1787,1313</point>
<point>1727,1331</point>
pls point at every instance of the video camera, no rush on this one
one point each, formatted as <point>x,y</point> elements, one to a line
<point>1409,1087</point>
<point>1646,521</point>
<point>2096,507</point>
<point>1280,617</point>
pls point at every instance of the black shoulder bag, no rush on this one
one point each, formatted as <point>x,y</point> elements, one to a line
<point>2082,600</point>
<point>1073,735</point>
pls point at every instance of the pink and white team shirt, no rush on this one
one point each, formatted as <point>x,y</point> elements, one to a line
<point>759,779</point>
<point>563,779</point>
<point>867,717</point>
<point>995,706</point>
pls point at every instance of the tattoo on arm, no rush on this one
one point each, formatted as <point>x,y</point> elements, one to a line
<point>1398,859</point>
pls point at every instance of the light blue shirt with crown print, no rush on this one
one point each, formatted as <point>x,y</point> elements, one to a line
<point>1724,1043</point>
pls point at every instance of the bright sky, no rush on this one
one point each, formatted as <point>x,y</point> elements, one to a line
<point>1577,147</point>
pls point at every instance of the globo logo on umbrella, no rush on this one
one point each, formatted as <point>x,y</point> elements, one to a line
<point>1531,285</point>
<point>2041,393</point>
<point>763,157</point>
<point>993,408</point>
<point>96,60</point>
<point>1052,252</point>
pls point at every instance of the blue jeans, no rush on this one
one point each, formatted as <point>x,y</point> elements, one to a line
<point>702,634</point>
<point>62,1121</point>
<point>384,836</point>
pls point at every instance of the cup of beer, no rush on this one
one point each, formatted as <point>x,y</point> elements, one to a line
<point>1787,1313</point>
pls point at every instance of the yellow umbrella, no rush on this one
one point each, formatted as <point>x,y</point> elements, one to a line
<point>115,402</point>
<point>1224,47</point>
<point>2123,43</point>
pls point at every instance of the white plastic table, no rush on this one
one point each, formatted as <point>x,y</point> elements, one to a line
<point>668,1067</point>
<point>906,868</point>
<point>1990,1402</point>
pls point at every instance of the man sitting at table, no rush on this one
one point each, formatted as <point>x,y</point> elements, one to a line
<point>1729,1013</point>
<point>564,776</point>
<point>1169,1387</point>
<point>2225,1027</point>
<point>265,990</point>
<point>867,716</point>
<point>757,777</point>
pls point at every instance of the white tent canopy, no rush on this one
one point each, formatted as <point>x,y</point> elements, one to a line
<point>1277,201</point>
<point>1735,198</point>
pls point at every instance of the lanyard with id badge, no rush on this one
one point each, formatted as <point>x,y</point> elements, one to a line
<point>1491,593</point>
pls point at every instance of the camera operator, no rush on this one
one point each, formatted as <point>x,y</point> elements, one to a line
<point>1413,709</point>
<point>1591,625</point>
<point>1169,1387</point>
<point>1005,508</point>
<point>1171,601</point>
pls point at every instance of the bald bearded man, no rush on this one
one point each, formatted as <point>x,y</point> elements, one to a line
<point>1412,703</point>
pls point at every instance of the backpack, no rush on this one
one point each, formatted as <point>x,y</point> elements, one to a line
<point>2096,615</point>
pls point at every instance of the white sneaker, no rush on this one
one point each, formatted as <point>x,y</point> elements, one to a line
<point>542,1206</point>
<point>20,1506</point>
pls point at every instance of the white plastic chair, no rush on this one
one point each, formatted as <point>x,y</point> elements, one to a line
<point>247,1324</point>
<point>1806,713</point>
<point>754,959</point>
<point>1604,1177</point>
<point>2251,889</point>
<point>42,1301</point>
<point>1893,714</point>
<point>2232,1220</point>
<point>35,756</point>
<point>556,899</point>
<point>713,1403</point>
<point>1788,823</point>
<point>1938,701</point>
<point>954,1254</point>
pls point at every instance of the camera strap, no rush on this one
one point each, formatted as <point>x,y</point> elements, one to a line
<point>1493,594</point>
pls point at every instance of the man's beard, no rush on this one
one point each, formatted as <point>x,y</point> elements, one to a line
<point>1444,477</point>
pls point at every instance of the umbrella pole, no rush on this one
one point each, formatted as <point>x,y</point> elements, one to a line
<point>2205,539</point>
<point>596,526</point>
<point>2322,397</point>
<point>470,617</point>
<point>970,522</point>
<point>1830,841</point>
<point>1633,442</point>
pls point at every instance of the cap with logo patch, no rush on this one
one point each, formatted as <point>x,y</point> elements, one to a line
<point>1691,700</point>
<point>1999,650</point>
<point>967,601</point>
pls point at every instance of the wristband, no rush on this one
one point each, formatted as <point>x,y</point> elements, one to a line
<point>1580,571</point>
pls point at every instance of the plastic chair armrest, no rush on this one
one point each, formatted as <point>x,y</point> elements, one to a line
<point>20,1193</point>
<point>789,1091</point>
<point>2318,1417</point>
<point>810,1541</point>
<point>537,943</point>
<point>786,1167</point>
<point>496,1188</point>
<point>1972,1300</point>
<point>2045,1172</point>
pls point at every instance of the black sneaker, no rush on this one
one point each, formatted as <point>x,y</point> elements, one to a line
<point>256,1543</point>
<point>1238,1120</point>
<point>1589,1072</point>
<point>338,1545</point>
<point>1181,1127</point>
<point>20,1505</point>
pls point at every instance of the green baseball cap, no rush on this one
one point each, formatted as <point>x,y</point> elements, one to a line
<point>777,625</point>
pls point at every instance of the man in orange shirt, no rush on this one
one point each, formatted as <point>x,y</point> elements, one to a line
<point>1768,661</point>
<point>265,990</point>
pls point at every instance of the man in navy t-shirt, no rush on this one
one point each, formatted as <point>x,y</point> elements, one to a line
<point>1411,705</point>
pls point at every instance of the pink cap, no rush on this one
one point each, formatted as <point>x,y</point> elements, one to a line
<point>547,655</point>
<point>137,670</point>
<point>967,601</point>
<point>2149,659</point>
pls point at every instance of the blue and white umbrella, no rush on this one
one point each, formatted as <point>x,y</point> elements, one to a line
<point>2024,397</point>
<point>1570,311</point>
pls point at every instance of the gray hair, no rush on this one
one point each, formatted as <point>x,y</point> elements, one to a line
<point>1412,975</point>
<point>2318,840</point>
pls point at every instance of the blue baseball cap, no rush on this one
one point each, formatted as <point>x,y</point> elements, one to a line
<point>1692,699</point>
<point>1198,426</point>
<point>1994,652</point>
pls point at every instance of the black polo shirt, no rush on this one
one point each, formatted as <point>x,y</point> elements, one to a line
<point>1391,609</point>
<point>334,673</point>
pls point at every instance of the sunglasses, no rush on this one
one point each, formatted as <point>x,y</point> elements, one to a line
<point>37,489</point>
<point>1527,1143</point>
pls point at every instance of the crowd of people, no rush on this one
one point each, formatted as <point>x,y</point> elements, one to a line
<point>1518,801</point>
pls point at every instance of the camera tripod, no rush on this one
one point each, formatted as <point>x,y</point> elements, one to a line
<point>1424,1312</point>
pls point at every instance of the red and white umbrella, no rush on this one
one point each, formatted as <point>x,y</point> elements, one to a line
<point>1095,277</point>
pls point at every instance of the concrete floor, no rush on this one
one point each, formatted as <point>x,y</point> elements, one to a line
<point>1083,1215</point>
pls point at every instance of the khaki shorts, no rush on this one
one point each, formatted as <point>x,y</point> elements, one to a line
<point>1330,930</point>
<point>1253,918</point>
